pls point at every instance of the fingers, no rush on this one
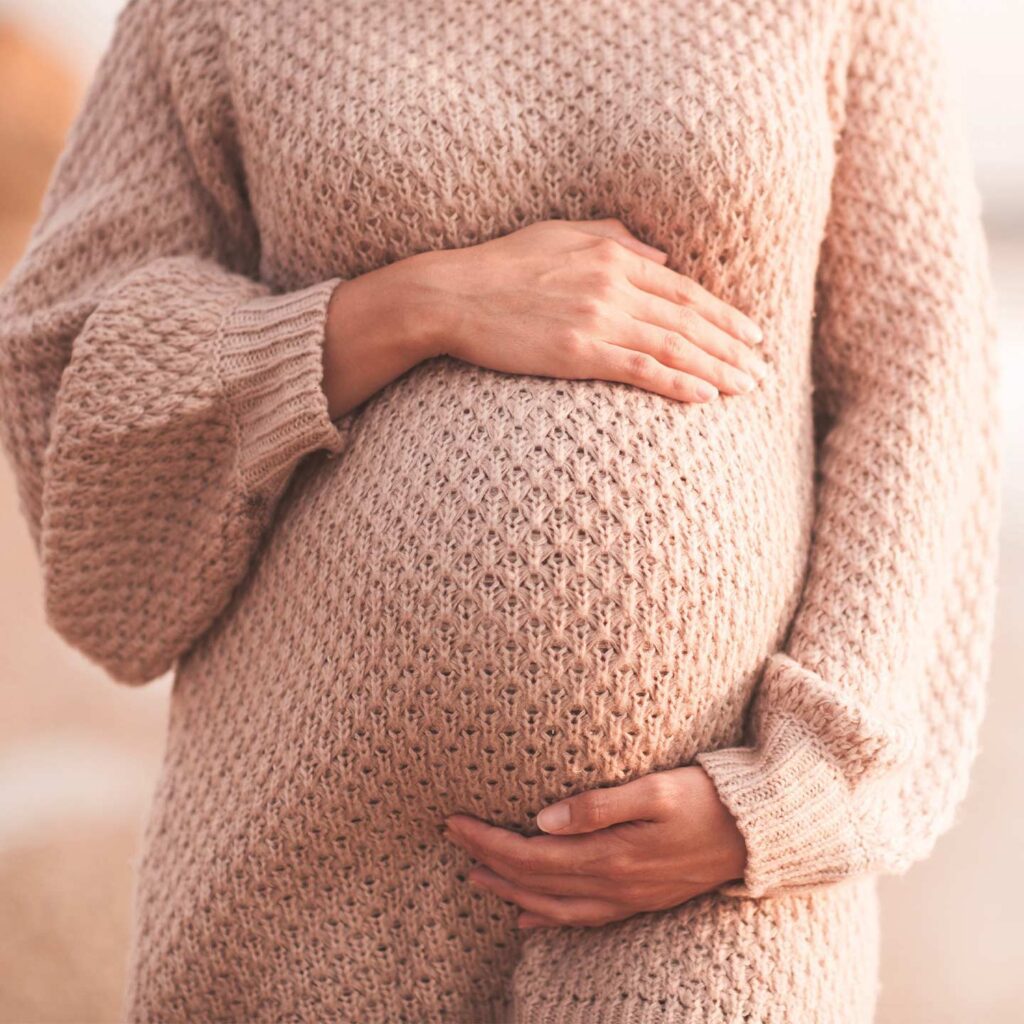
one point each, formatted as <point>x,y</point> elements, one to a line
<point>705,350</point>
<point>612,227</point>
<point>651,275</point>
<point>592,886</point>
<point>521,856</point>
<point>614,345</point>
<point>635,321</point>
<point>684,291</point>
<point>618,872</point>
<point>567,910</point>
<point>641,369</point>
<point>598,808</point>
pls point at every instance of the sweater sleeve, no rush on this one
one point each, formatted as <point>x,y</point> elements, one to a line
<point>156,397</point>
<point>862,730</point>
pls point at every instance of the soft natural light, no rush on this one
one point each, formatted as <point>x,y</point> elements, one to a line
<point>78,756</point>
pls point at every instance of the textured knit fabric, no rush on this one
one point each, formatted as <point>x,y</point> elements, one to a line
<point>481,592</point>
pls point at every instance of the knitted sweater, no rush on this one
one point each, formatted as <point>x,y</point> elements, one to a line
<point>481,592</point>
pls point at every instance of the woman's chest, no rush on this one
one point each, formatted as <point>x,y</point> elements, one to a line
<point>374,130</point>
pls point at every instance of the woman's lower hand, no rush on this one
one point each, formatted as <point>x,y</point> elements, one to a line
<point>649,844</point>
<point>587,299</point>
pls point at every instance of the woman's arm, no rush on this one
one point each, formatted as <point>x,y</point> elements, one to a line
<point>864,727</point>
<point>155,397</point>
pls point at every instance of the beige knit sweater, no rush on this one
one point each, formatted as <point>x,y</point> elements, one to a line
<point>481,592</point>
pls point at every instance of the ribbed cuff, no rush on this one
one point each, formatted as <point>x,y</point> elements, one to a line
<point>792,807</point>
<point>271,364</point>
<point>803,794</point>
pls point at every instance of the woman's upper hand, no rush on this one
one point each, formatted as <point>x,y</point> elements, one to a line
<point>648,844</point>
<point>586,299</point>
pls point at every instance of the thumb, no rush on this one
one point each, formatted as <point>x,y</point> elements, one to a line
<point>599,808</point>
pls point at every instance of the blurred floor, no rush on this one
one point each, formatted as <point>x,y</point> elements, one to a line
<point>79,754</point>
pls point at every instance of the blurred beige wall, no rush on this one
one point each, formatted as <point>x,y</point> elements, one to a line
<point>79,754</point>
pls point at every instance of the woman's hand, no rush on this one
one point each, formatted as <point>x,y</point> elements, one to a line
<point>571,299</point>
<point>649,844</point>
<point>586,299</point>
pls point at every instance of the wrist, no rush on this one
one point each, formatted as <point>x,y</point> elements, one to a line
<point>370,313</point>
<point>432,311</point>
<point>729,842</point>
<point>368,339</point>
<point>381,324</point>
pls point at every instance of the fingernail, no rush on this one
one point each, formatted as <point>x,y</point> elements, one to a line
<point>759,370</point>
<point>551,819</point>
<point>743,381</point>
<point>753,333</point>
<point>705,390</point>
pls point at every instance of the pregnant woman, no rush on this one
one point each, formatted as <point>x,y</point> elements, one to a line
<point>392,372</point>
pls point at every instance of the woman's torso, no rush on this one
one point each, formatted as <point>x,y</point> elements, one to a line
<point>511,588</point>
<point>507,588</point>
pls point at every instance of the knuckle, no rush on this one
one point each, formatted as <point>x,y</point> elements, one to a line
<point>602,283</point>
<point>573,342</point>
<point>616,223</point>
<point>606,252</point>
<point>689,320</point>
<point>593,304</point>
<point>639,366</point>
<point>686,290</point>
<point>590,309</point>
<point>673,347</point>
<point>582,864</point>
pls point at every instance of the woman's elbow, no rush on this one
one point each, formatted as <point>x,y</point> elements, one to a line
<point>129,651</point>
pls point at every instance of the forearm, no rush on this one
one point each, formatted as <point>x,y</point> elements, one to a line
<point>864,726</point>
<point>156,396</point>
<point>379,325</point>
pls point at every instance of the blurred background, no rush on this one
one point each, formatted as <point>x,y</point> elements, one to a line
<point>79,754</point>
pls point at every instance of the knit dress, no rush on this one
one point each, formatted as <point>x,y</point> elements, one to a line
<point>481,592</point>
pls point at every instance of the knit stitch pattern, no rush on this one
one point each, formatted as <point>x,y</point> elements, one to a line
<point>482,592</point>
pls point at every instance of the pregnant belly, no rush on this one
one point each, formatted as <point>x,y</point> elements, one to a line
<point>510,589</point>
